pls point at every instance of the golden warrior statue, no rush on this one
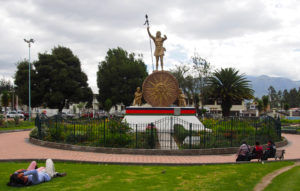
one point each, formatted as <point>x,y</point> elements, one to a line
<point>138,97</point>
<point>181,99</point>
<point>159,49</point>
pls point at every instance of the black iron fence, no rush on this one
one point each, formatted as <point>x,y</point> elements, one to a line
<point>167,133</point>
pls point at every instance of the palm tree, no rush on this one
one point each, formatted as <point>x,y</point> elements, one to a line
<point>229,86</point>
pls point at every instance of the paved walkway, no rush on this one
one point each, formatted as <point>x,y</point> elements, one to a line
<point>268,179</point>
<point>16,146</point>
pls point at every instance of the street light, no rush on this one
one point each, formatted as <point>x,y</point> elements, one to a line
<point>29,83</point>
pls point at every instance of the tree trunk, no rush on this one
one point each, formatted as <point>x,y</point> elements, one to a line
<point>61,107</point>
<point>226,106</point>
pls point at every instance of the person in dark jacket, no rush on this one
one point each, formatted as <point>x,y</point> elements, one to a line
<point>270,152</point>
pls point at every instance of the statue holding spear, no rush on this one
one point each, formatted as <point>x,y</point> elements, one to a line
<point>159,49</point>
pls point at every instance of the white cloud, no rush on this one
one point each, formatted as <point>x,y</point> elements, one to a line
<point>256,37</point>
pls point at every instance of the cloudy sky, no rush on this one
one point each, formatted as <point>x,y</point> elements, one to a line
<point>255,36</point>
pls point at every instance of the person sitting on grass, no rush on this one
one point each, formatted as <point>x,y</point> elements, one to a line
<point>257,151</point>
<point>34,175</point>
<point>270,152</point>
<point>243,153</point>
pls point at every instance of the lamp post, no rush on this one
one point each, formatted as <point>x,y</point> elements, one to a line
<point>29,83</point>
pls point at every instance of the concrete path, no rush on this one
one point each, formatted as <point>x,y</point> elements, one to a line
<point>268,179</point>
<point>16,146</point>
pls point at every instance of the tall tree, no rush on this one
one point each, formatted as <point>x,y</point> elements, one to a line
<point>203,70</point>
<point>280,98</point>
<point>229,86</point>
<point>266,101</point>
<point>57,79</point>
<point>5,99</point>
<point>259,104</point>
<point>5,85</point>
<point>119,75</point>
<point>21,81</point>
<point>274,101</point>
<point>180,72</point>
<point>185,80</point>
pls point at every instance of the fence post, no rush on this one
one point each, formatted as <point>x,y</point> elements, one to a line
<point>190,136</point>
<point>204,139</point>
<point>255,136</point>
<point>104,127</point>
<point>152,137</point>
<point>56,128</point>
<point>136,137</point>
<point>279,128</point>
<point>231,126</point>
<point>74,132</point>
<point>171,133</point>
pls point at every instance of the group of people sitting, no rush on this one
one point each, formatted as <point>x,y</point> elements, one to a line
<point>245,153</point>
<point>34,174</point>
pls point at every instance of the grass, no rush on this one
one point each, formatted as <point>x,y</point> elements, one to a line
<point>122,177</point>
<point>10,125</point>
<point>288,180</point>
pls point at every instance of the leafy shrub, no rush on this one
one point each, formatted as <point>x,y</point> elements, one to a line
<point>71,138</point>
<point>290,121</point>
<point>17,120</point>
<point>116,126</point>
<point>118,140</point>
<point>1,120</point>
<point>180,133</point>
<point>34,133</point>
<point>151,136</point>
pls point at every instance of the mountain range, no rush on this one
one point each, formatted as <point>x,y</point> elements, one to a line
<point>260,84</point>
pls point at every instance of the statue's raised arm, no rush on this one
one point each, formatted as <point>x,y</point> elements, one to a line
<point>165,37</point>
<point>150,33</point>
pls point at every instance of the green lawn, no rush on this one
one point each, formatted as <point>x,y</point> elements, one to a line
<point>10,125</point>
<point>288,181</point>
<point>121,177</point>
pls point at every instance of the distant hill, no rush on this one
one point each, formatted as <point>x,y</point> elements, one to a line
<point>260,84</point>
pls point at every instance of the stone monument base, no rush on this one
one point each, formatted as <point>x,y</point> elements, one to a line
<point>162,117</point>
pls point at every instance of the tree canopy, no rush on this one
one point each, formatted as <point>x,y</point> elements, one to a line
<point>229,86</point>
<point>57,80</point>
<point>119,75</point>
<point>5,99</point>
<point>5,85</point>
<point>21,81</point>
<point>284,99</point>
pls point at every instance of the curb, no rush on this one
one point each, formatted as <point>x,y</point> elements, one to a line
<point>14,131</point>
<point>108,150</point>
<point>142,163</point>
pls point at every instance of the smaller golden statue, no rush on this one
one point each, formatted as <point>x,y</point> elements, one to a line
<point>181,99</point>
<point>138,97</point>
<point>159,49</point>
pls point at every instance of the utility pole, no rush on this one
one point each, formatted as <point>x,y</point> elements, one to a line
<point>29,83</point>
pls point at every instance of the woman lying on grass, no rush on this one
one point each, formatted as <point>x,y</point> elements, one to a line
<point>34,175</point>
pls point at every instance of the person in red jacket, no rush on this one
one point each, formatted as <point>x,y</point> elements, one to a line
<point>257,151</point>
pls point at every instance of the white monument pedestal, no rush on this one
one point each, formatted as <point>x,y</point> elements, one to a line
<point>160,116</point>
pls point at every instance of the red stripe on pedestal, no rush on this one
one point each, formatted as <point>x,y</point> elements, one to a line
<point>149,111</point>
